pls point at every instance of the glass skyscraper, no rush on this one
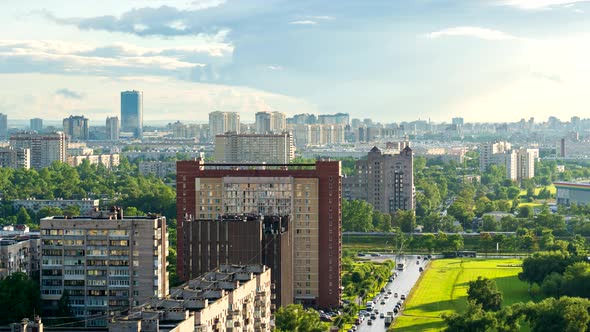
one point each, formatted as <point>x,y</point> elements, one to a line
<point>132,112</point>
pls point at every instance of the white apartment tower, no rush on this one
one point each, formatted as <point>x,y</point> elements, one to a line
<point>45,148</point>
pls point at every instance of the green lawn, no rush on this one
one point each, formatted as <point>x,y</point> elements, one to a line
<point>443,288</point>
<point>551,189</point>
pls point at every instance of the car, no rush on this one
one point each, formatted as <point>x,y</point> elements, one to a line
<point>389,291</point>
<point>419,257</point>
<point>395,310</point>
<point>403,297</point>
<point>376,312</point>
<point>375,255</point>
<point>382,302</point>
<point>429,256</point>
<point>417,262</point>
<point>421,269</point>
<point>360,254</point>
<point>359,320</point>
<point>395,295</point>
<point>370,322</point>
<point>373,317</point>
<point>386,296</point>
<point>382,290</point>
<point>382,315</point>
<point>390,279</point>
<point>353,328</point>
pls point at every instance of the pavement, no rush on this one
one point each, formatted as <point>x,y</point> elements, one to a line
<point>404,282</point>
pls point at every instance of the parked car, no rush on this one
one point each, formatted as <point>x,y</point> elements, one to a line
<point>403,297</point>
<point>382,315</point>
<point>395,295</point>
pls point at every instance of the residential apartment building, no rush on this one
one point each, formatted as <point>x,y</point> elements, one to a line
<point>105,262</point>
<point>160,169</point>
<point>310,197</point>
<point>263,123</point>
<point>19,253</point>
<point>76,127</point>
<point>86,205</point>
<point>254,148</point>
<point>526,163</point>
<point>15,158</point>
<point>278,122</point>
<point>45,148</point>
<point>487,151</point>
<point>241,239</point>
<point>230,298</point>
<point>113,128</point>
<point>519,163</point>
<point>384,180</point>
<point>107,160</point>
<point>318,134</point>
<point>223,122</point>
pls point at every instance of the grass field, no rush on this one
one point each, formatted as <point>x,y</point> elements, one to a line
<point>551,189</point>
<point>443,289</point>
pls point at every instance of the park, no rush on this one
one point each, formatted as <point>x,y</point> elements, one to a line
<point>443,289</point>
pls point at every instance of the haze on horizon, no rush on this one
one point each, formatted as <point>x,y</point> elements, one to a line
<point>392,61</point>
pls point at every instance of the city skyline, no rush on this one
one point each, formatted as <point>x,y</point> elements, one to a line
<point>484,60</point>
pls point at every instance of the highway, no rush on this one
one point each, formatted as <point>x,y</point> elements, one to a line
<point>404,282</point>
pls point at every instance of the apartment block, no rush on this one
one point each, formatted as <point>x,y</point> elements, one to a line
<point>15,158</point>
<point>487,151</point>
<point>45,148</point>
<point>242,239</point>
<point>113,128</point>
<point>310,196</point>
<point>384,180</point>
<point>19,253</point>
<point>254,148</point>
<point>86,205</point>
<point>105,262</point>
<point>222,122</point>
<point>160,169</point>
<point>318,134</point>
<point>230,298</point>
<point>107,160</point>
<point>76,127</point>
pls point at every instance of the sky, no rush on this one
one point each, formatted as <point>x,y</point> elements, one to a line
<point>389,60</point>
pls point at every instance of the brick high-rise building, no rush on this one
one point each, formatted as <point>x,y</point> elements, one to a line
<point>384,180</point>
<point>310,197</point>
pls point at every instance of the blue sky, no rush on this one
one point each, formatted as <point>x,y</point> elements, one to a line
<point>391,60</point>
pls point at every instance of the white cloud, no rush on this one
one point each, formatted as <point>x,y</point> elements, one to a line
<point>470,31</point>
<point>274,67</point>
<point>538,4</point>
<point>304,22</point>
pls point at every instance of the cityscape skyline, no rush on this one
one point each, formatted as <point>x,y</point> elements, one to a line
<point>480,60</point>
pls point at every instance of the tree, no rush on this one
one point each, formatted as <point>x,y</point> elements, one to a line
<point>406,220</point>
<point>356,216</point>
<point>564,314</point>
<point>294,318</point>
<point>484,292</point>
<point>489,224</point>
<point>525,211</point>
<point>19,298</point>
<point>475,319</point>
<point>538,266</point>
<point>22,217</point>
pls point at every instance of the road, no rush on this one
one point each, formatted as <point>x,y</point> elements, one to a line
<point>404,282</point>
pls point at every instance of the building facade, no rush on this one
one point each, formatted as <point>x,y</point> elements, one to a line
<point>45,148</point>
<point>15,158</point>
<point>160,169</point>
<point>105,262</point>
<point>76,127</point>
<point>223,122</point>
<point>310,197</point>
<point>384,180</point>
<point>109,161</point>
<point>254,148</point>
<point>36,124</point>
<point>3,126</point>
<point>263,123</point>
<point>132,112</point>
<point>86,205</point>
<point>112,128</point>
<point>240,239</point>
<point>572,193</point>
<point>231,298</point>
<point>19,253</point>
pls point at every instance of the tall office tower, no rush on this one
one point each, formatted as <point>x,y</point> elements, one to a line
<point>252,239</point>
<point>310,197</point>
<point>76,127</point>
<point>263,123</point>
<point>487,151</point>
<point>526,163</point>
<point>254,148</point>
<point>3,126</point>
<point>278,122</point>
<point>384,180</point>
<point>132,112</point>
<point>36,124</point>
<point>217,122</point>
<point>457,121</point>
<point>105,262</point>
<point>15,157</point>
<point>232,123</point>
<point>112,128</point>
<point>45,148</point>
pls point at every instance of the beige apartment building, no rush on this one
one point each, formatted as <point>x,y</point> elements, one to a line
<point>254,148</point>
<point>45,148</point>
<point>105,262</point>
<point>231,298</point>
